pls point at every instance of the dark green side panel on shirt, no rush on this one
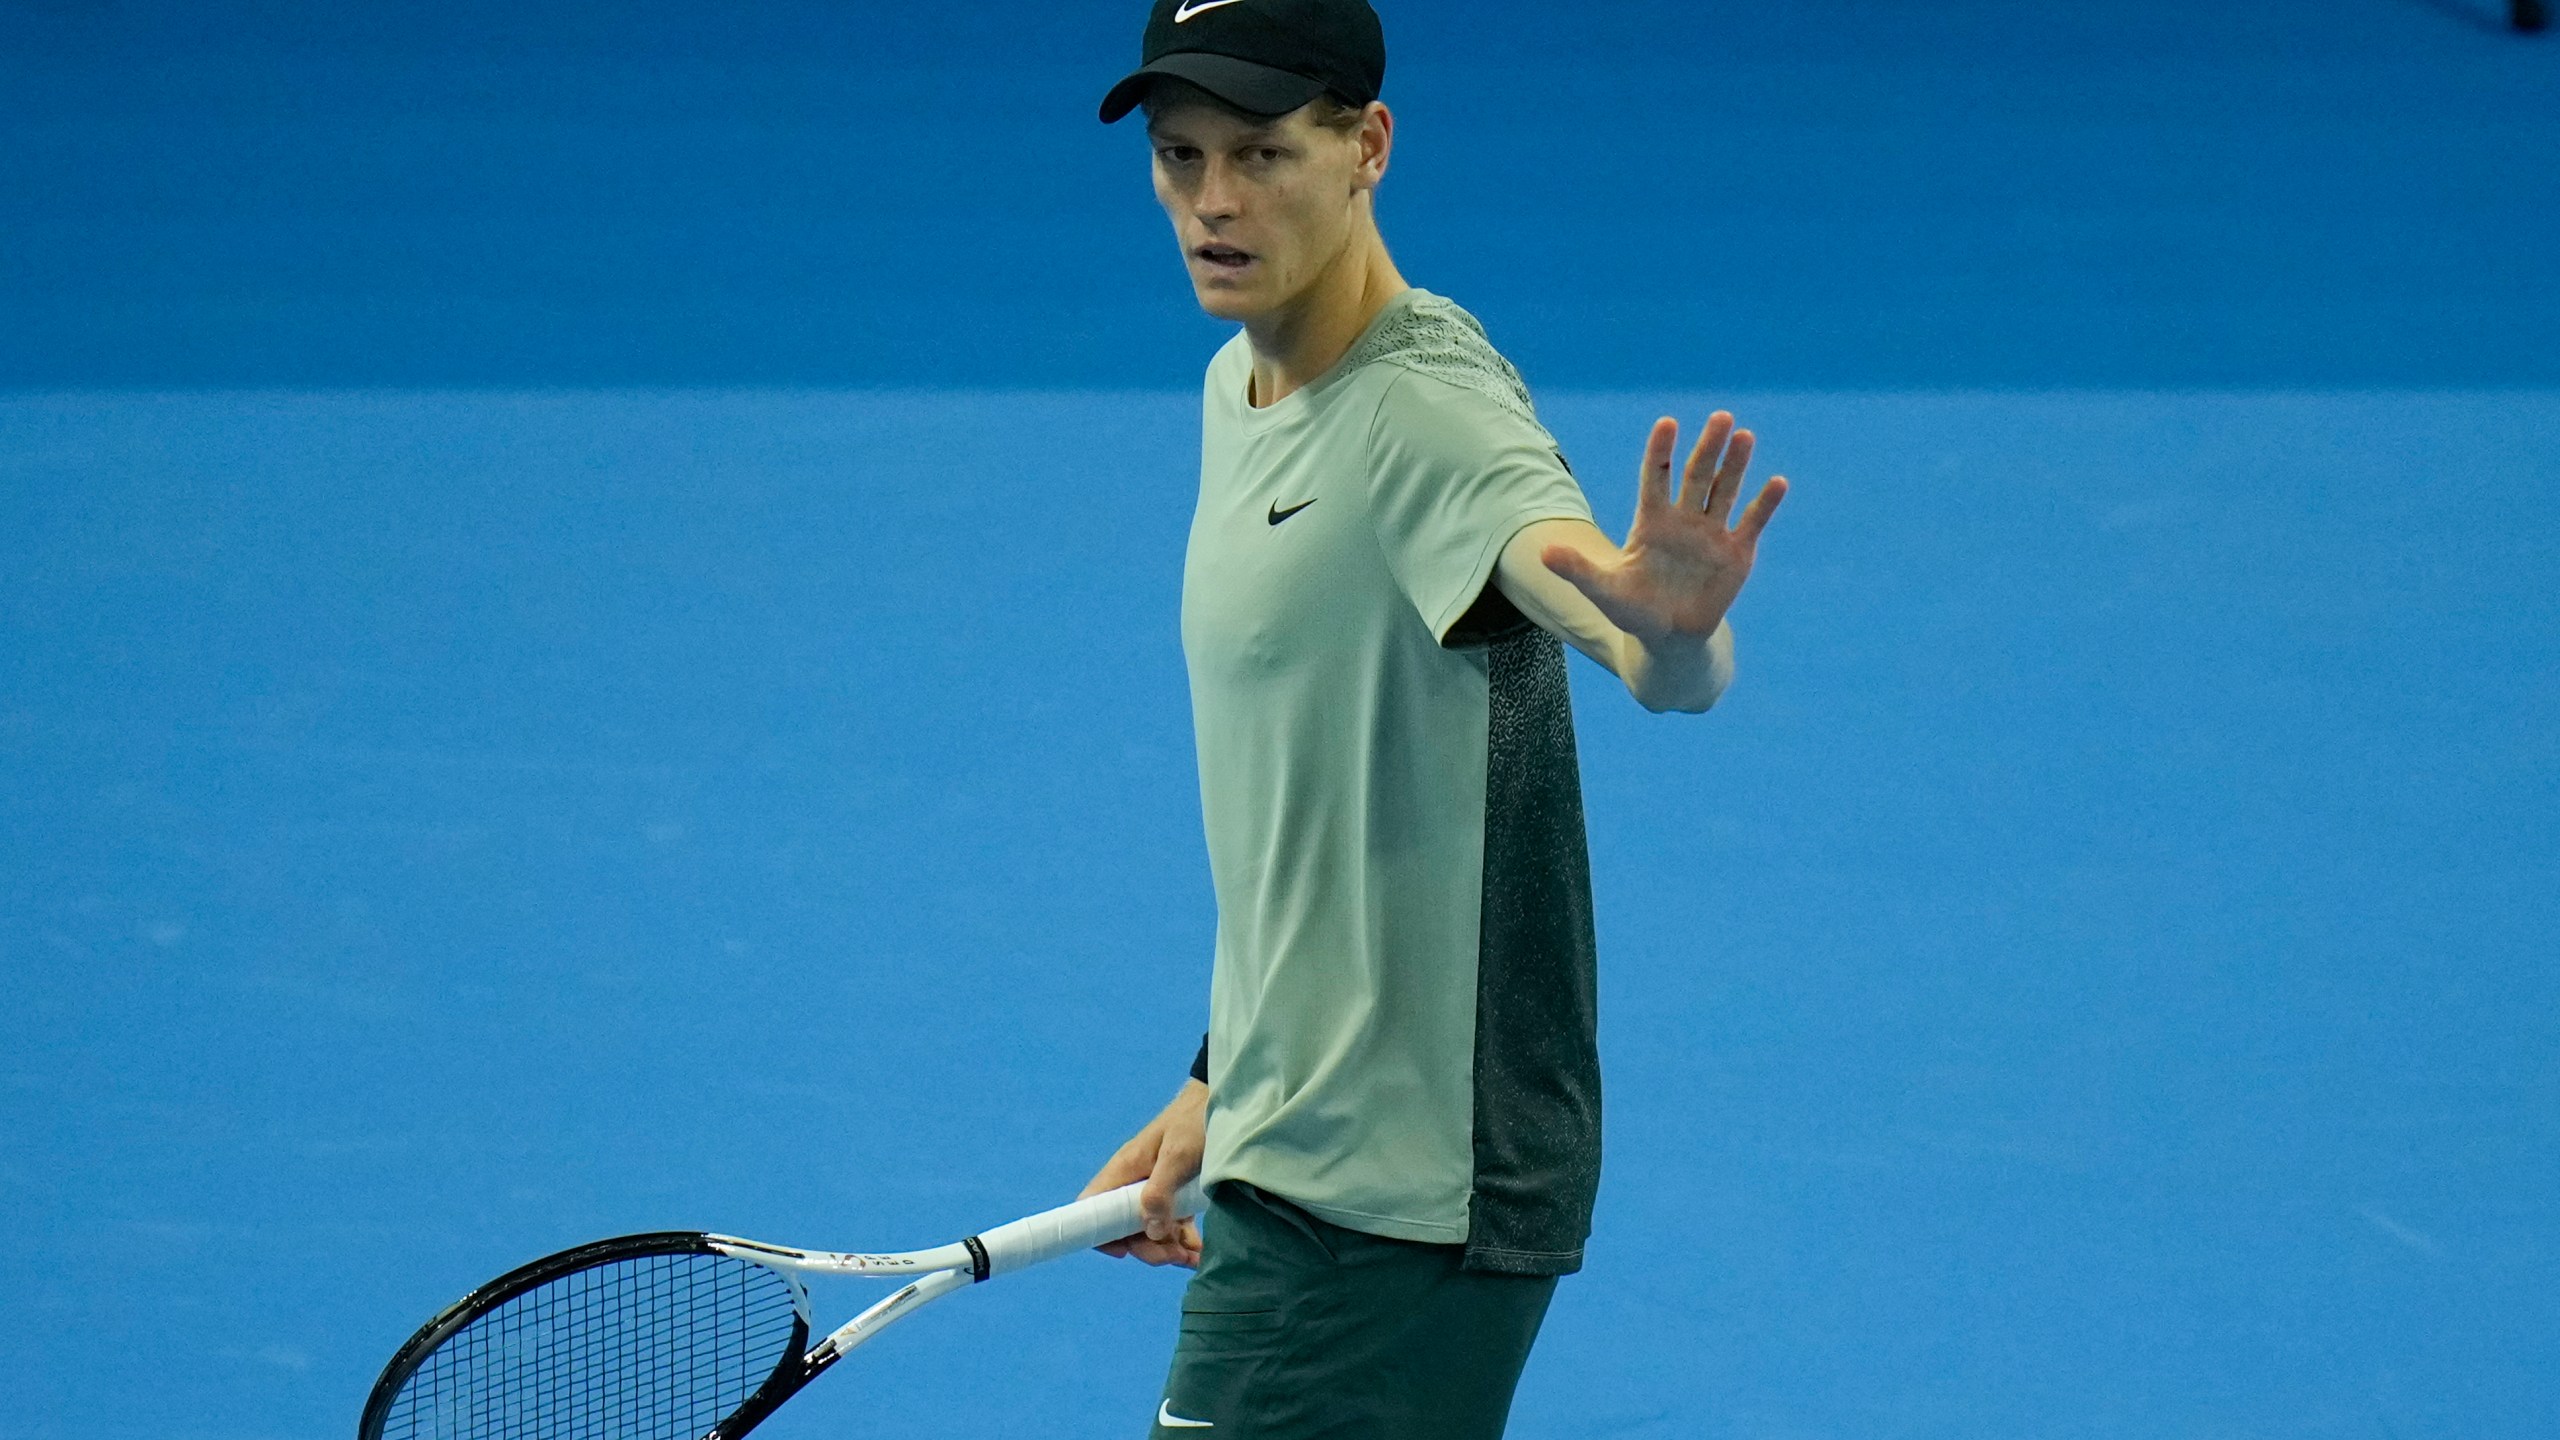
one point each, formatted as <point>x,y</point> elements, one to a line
<point>1537,1060</point>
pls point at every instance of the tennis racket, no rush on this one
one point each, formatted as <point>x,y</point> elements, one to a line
<point>679,1335</point>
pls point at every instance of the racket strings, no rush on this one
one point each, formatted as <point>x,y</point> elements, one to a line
<point>657,1347</point>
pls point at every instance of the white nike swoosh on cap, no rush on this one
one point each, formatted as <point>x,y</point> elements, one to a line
<point>1164,1412</point>
<point>1193,7</point>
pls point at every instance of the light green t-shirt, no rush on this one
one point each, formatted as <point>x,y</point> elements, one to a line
<point>1386,762</point>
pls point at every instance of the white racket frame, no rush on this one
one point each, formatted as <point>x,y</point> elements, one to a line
<point>934,1273</point>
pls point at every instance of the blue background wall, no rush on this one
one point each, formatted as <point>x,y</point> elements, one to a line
<point>2001,192</point>
<point>587,643</point>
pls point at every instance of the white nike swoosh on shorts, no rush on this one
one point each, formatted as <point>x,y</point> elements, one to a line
<point>1164,1412</point>
<point>1194,7</point>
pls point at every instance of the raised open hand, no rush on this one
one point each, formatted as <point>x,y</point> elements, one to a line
<point>1685,558</point>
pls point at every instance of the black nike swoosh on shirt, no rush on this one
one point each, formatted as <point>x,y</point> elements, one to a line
<point>1278,514</point>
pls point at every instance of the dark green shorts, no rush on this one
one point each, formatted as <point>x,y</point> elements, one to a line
<point>1298,1329</point>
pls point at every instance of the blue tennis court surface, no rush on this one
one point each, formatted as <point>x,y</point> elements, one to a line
<point>583,769</point>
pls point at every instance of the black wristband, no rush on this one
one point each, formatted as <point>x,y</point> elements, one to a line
<point>1200,1062</point>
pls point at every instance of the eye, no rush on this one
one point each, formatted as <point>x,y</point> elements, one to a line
<point>1175,154</point>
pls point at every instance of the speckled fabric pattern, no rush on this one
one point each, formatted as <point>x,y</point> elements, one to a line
<point>1436,336</point>
<point>1537,1087</point>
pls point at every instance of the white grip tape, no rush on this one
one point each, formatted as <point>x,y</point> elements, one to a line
<point>1110,1215</point>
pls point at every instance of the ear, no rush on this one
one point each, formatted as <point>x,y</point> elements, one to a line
<point>1377,142</point>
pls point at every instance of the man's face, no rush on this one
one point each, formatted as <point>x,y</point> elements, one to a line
<point>1259,208</point>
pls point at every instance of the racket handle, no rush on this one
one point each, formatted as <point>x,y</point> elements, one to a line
<point>1082,1225</point>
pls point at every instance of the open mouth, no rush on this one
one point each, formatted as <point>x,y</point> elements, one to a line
<point>1225,257</point>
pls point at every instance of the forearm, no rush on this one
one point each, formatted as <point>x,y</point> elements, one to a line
<point>1681,673</point>
<point>1686,674</point>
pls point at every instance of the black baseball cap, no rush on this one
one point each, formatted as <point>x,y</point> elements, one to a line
<point>1264,57</point>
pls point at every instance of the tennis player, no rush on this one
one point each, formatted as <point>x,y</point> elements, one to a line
<point>1397,1106</point>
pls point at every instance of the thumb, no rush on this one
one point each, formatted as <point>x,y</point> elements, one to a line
<point>1176,1164</point>
<point>1570,564</point>
<point>1155,1202</point>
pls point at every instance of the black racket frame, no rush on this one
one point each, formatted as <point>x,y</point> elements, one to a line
<point>793,1372</point>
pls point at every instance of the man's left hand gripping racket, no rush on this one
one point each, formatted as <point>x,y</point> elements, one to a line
<point>679,1335</point>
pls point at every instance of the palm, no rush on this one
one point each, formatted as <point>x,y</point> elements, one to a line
<point>1686,557</point>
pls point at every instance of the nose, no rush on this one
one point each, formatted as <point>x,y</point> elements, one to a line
<point>1216,198</point>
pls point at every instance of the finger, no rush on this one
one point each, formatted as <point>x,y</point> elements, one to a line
<point>1165,1252</point>
<point>1175,1165</point>
<point>1755,516</point>
<point>1701,470</point>
<point>1728,481</point>
<point>1116,1249</point>
<point>1653,482</point>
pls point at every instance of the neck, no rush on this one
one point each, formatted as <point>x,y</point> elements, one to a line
<point>1301,340</point>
